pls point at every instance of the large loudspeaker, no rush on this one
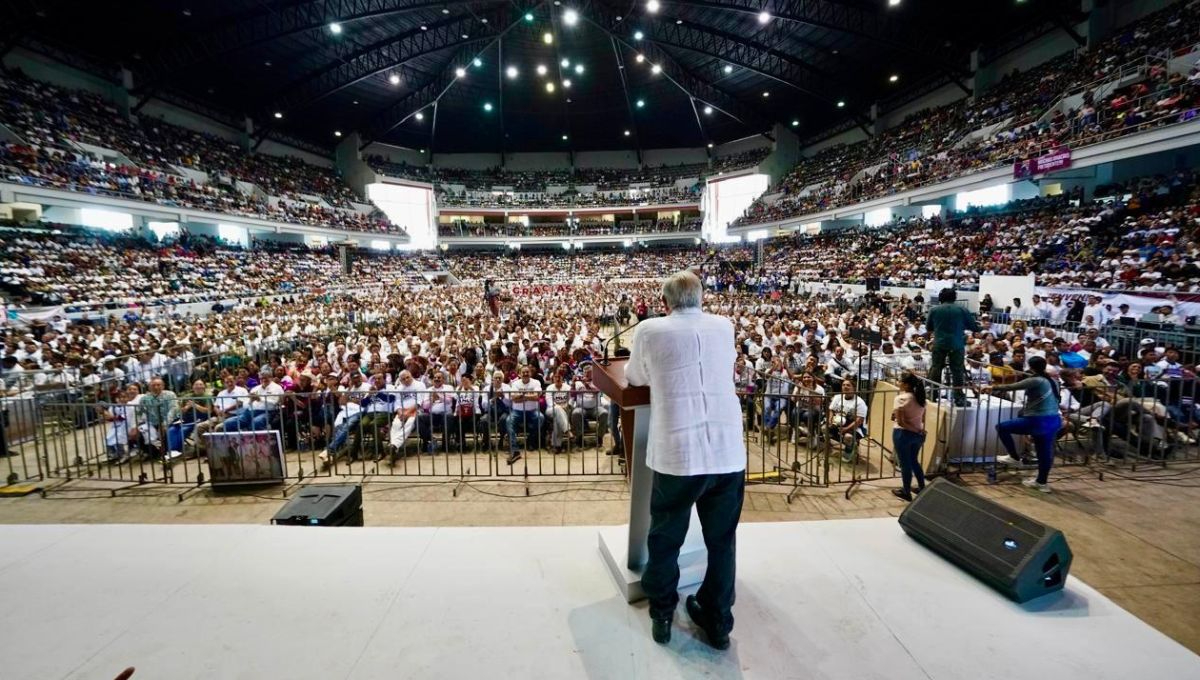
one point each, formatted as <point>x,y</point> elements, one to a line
<point>346,258</point>
<point>1016,555</point>
<point>324,506</point>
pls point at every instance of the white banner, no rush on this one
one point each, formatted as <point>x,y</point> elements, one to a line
<point>1184,305</point>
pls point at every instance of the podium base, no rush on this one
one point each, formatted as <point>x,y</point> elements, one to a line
<point>614,547</point>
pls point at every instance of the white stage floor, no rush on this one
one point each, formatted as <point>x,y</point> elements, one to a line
<point>850,599</point>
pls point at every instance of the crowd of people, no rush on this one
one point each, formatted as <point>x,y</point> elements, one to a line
<point>1021,117</point>
<point>54,124</point>
<point>572,198</point>
<point>422,368</point>
<point>465,228</point>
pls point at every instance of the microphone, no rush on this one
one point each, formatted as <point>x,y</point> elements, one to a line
<point>604,345</point>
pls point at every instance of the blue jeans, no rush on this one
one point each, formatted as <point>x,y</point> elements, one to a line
<point>343,431</point>
<point>772,409</point>
<point>531,423</point>
<point>177,433</point>
<point>246,420</point>
<point>1042,429</point>
<point>907,445</point>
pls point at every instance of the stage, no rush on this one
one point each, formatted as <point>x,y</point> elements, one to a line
<point>846,599</point>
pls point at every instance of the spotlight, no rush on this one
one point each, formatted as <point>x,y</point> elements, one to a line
<point>638,35</point>
<point>656,69</point>
<point>570,17</point>
<point>335,28</point>
<point>419,116</point>
<point>641,103</point>
<point>279,114</point>
<point>337,133</point>
<point>477,61</point>
<point>548,37</point>
<point>640,58</point>
<point>567,82</point>
<point>487,106</point>
<point>578,69</point>
<point>728,68</point>
<point>394,79</point>
<point>708,110</point>
<point>550,87</point>
<point>652,6</point>
<point>511,72</point>
<point>893,78</point>
<point>566,63</point>
<point>764,16</point>
<point>460,72</point>
<point>541,69</point>
<point>841,104</point>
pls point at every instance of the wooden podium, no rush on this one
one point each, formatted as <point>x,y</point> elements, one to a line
<point>624,547</point>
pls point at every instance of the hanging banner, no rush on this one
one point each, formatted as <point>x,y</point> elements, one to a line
<point>1182,304</point>
<point>1057,159</point>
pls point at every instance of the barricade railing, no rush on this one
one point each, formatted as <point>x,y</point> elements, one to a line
<point>420,432</point>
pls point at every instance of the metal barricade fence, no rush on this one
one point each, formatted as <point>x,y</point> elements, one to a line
<point>416,433</point>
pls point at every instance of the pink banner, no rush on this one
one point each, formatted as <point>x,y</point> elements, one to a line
<point>1058,159</point>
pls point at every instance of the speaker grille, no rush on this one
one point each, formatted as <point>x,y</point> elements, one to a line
<point>998,538</point>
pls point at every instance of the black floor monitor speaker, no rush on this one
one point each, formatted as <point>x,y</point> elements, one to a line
<point>1018,556</point>
<point>323,506</point>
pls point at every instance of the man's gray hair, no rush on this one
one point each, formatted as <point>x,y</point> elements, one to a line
<point>682,290</point>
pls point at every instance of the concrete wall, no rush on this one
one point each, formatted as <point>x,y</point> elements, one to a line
<point>656,157</point>
<point>783,157</point>
<point>471,161</point>
<point>606,159</point>
<point>1039,51</point>
<point>1128,11</point>
<point>547,160</point>
<point>45,69</point>
<point>855,134</point>
<point>157,109</point>
<point>395,154</point>
<point>349,162</point>
<point>744,144</point>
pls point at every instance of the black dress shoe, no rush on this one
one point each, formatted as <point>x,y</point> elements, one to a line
<point>902,494</point>
<point>661,630</point>
<point>698,616</point>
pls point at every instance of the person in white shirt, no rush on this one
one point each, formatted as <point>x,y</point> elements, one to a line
<point>696,450</point>
<point>587,406</point>
<point>408,407</point>
<point>524,395</point>
<point>437,407</point>
<point>847,420</point>
<point>262,404</point>
<point>558,408</point>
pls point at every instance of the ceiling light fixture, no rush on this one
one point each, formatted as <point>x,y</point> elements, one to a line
<point>337,133</point>
<point>652,6</point>
<point>578,69</point>
<point>424,27</point>
<point>641,58</point>
<point>394,79</point>
<point>487,106</point>
<point>511,72</point>
<point>460,72</point>
<point>550,87</point>
<point>841,104</point>
<point>656,69</point>
<point>477,61</point>
<point>638,35</point>
<point>335,28</point>
<point>766,94</point>
<point>541,69</point>
<point>627,133</point>
<point>764,16</point>
<point>567,82</point>
<point>565,62</point>
<point>893,78</point>
<point>641,103</point>
<point>419,116</point>
<point>529,16</point>
<point>710,145</point>
<point>548,37</point>
<point>708,110</point>
<point>564,138</point>
<point>570,17</point>
<point>795,122</point>
<point>728,68</point>
<point>279,114</point>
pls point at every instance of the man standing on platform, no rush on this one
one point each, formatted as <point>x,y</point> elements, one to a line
<point>948,324</point>
<point>696,452</point>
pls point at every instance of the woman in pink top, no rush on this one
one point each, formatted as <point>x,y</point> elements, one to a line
<point>908,434</point>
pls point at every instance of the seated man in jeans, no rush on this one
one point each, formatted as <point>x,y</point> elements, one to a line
<point>525,394</point>
<point>263,405</point>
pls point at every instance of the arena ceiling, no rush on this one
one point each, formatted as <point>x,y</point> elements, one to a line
<point>710,71</point>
